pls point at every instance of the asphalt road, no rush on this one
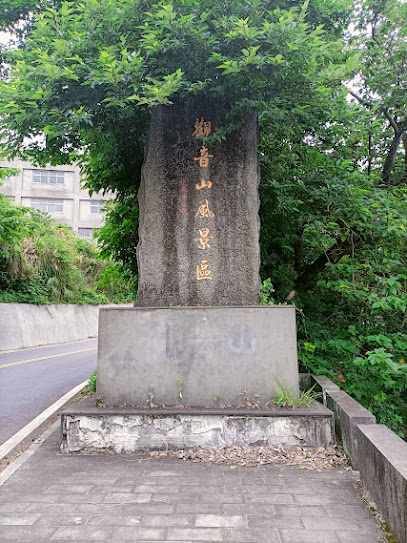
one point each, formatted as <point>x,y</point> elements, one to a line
<point>33,379</point>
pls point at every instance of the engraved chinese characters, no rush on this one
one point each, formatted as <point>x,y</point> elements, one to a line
<point>203,271</point>
<point>198,202</point>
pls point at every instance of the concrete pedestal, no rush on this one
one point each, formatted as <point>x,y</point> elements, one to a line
<point>195,356</point>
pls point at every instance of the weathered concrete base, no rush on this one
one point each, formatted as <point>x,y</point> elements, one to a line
<point>196,352</point>
<point>130,430</point>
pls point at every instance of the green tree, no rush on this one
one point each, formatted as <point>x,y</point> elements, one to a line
<point>333,232</point>
<point>382,42</point>
<point>89,73</point>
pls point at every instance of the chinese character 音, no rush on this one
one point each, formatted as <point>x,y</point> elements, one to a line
<point>204,158</point>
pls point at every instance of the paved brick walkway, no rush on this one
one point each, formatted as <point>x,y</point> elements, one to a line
<point>53,497</point>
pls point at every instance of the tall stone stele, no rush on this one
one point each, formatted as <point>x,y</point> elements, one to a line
<point>197,331</point>
<point>199,224</point>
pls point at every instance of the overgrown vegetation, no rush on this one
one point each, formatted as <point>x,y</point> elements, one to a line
<point>43,262</point>
<point>333,147</point>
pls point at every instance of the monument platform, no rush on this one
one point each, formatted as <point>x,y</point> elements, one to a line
<point>195,356</point>
<point>89,429</point>
<point>181,377</point>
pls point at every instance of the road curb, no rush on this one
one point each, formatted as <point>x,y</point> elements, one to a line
<point>18,441</point>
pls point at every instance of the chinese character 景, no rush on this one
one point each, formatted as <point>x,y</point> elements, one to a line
<point>204,238</point>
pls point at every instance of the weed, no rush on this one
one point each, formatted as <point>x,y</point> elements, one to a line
<point>247,402</point>
<point>151,397</point>
<point>91,386</point>
<point>180,390</point>
<point>287,398</point>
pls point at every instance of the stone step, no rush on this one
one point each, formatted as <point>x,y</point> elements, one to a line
<point>89,429</point>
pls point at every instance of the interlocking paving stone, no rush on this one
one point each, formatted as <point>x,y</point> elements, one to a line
<point>259,521</point>
<point>248,509</point>
<point>22,519</point>
<point>303,536</point>
<point>70,519</point>
<point>83,533</point>
<point>252,535</point>
<point>346,511</point>
<point>73,489</point>
<point>166,521</point>
<point>220,521</point>
<point>28,532</point>
<point>205,508</point>
<point>114,499</point>
<point>331,523</point>
<point>13,507</point>
<point>138,533</point>
<point>114,519</point>
<point>299,511</point>
<point>195,534</point>
<point>351,537</point>
<point>269,498</point>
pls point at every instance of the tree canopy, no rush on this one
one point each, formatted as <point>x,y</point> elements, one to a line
<point>88,73</point>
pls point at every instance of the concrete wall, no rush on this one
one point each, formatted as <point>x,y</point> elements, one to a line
<point>382,459</point>
<point>208,351</point>
<point>26,325</point>
<point>377,452</point>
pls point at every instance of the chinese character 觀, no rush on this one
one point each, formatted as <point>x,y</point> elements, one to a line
<point>203,271</point>
<point>204,158</point>
<point>204,238</point>
<point>203,211</point>
<point>202,128</point>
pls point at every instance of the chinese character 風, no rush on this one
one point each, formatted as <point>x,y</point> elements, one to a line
<point>204,239</point>
<point>204,184</point>
<point>202,128</point>
<point>204,158</point>
<point>202,271</point>
<point>203,211</point>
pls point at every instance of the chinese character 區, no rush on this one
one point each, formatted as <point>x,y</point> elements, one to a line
<point>204,239</point>
<point>202,128</point>
<point>202,271</point>
<point>204,184</point>
<point>203,211</point>
<point>204,158</point>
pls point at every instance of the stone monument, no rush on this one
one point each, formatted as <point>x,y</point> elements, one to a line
<point>199,224</point>
<point>197,321</point>
<point>196,362</point>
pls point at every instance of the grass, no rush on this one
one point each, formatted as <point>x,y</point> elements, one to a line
<point>287,398</point>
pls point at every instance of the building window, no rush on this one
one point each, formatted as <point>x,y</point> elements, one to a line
<point>48,204</point>
<point>96,206</point>
<point>49,177</point>
<point>85,233</point>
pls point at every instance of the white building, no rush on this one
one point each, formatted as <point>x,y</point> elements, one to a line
<point>58,191</point>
